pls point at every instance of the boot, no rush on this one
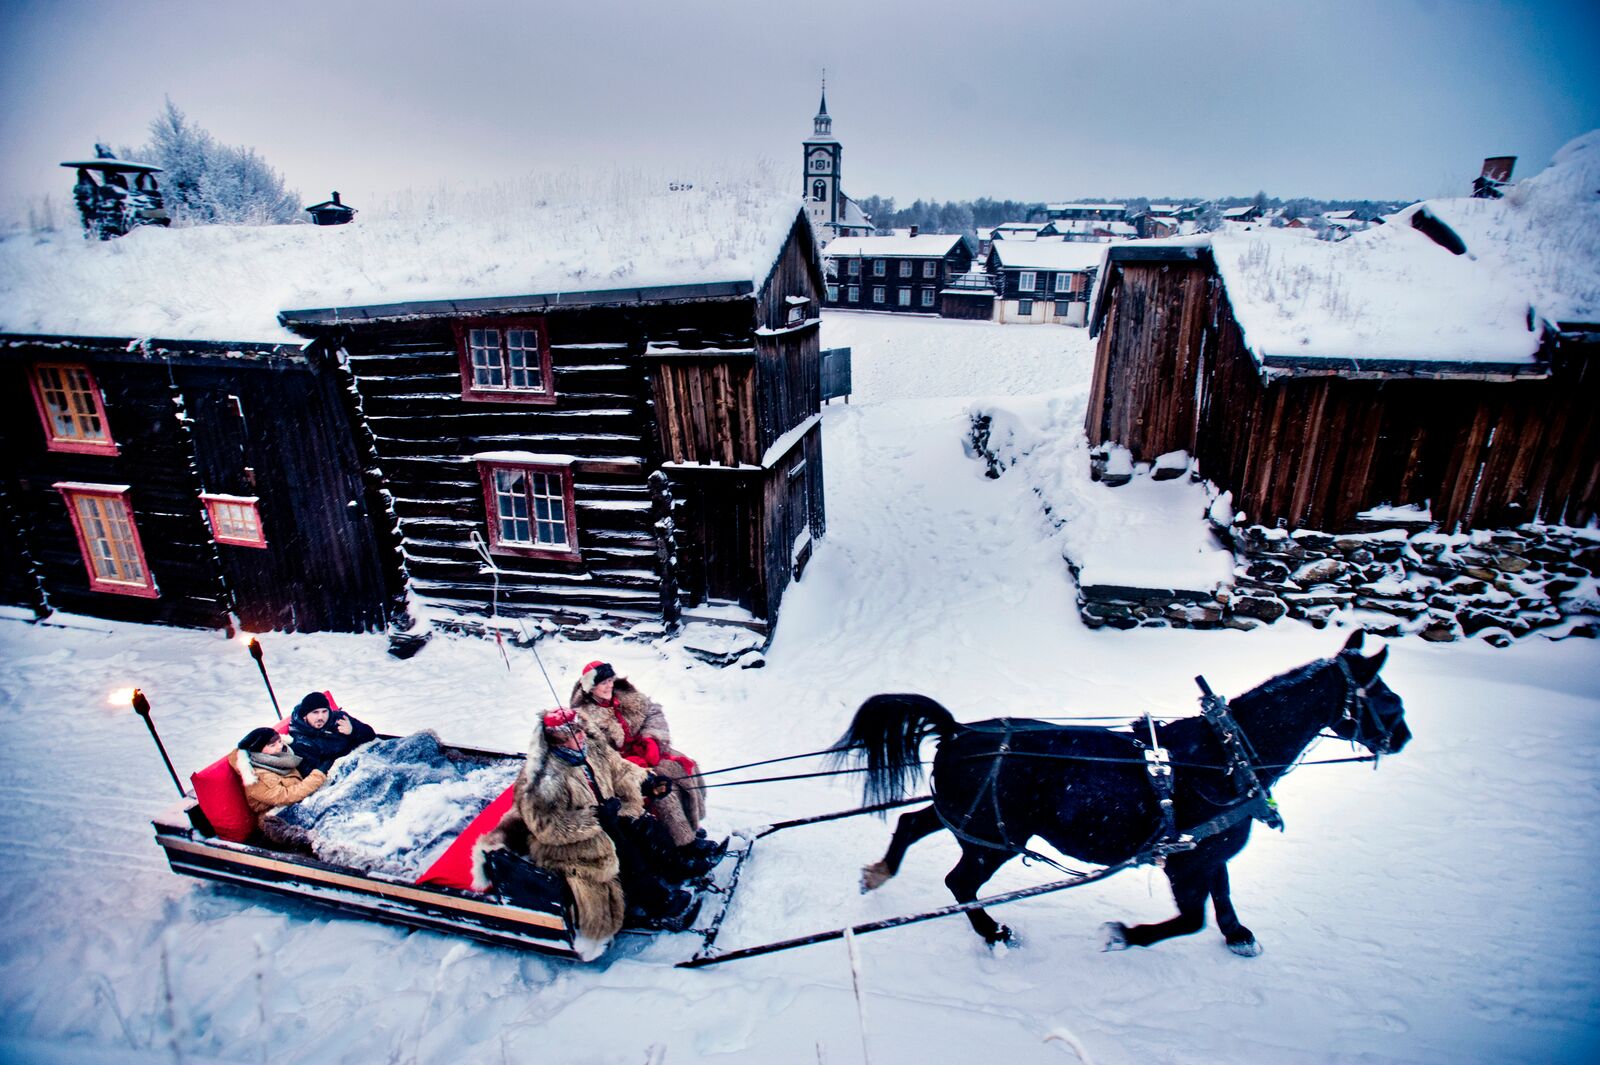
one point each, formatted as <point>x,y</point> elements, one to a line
<point>699,858</point>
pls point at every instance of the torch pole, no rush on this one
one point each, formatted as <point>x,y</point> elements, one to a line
<point>141,705</point>
<point>255,653</point>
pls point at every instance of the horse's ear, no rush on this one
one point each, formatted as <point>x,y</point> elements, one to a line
<point>1354,642</point>
<point>1365,669</point>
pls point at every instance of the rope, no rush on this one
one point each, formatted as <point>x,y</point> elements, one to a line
<point>494,615</point>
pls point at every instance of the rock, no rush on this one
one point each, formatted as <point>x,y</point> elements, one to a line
<point>751,659</point>
<point>1497,638</point>
<point>1466,586</point>
<point>1320,572</point>
<point>1509,563</point>
<point>1261,608</point>
<point>1482,574</point>
<point>1172,465</point>
<point>1439,632</point>
<point>1589,559</point>
<point>1268,570</point>
<point>1360,557</point>
<point>1560,586</point>
<point>1313,541</point>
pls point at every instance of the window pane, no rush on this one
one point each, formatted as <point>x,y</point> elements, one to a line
<point>108,536</point>
<point>511,505</point>
<point>522,358</point>
<point>68,394</point>
<point>487,370</point>
<point>552,512</point>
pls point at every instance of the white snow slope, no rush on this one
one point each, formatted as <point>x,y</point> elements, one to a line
<point>1440,910</point>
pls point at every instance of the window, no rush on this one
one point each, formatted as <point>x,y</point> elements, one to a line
<point>905,267</point>
<point>1063,308</point>
<point>877,293</point>
<point>70,408</point>
<point>927,297</point>
<point>530,509</point>
<point>235,520</point>
<point>505,362</point>
<point>819,190</point>
<point>833,293</point>
<point>903,297</point>
<point>855,293</point>
<point>930,269</point>
<point>1025,280</point>
<point>1024,306</point>
<point>877,268</point>
<point>1062,282</point>
<point>855,268</point>
<point>102,518</point>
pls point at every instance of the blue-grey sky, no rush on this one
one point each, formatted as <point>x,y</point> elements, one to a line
<point>932,98</point>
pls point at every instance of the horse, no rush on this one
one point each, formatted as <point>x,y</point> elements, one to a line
<point>1087,791</point>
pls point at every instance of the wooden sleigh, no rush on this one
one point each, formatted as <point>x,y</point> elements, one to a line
<point>541,921</point>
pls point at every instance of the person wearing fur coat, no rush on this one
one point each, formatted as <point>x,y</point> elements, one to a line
<point>562,797</point>
<point>270,772</point>
<point>634,725</point>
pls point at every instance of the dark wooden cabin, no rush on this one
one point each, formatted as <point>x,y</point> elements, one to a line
<point>626,457</point>
<point>1311,441</point>
<point>187,483</point>
<point>898,273</point>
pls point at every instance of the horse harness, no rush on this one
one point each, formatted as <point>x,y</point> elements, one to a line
<point>1255,799</point>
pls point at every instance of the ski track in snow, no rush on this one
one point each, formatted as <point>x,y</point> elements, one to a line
<point>1440,910</point>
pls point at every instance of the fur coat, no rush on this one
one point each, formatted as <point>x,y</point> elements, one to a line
<point>264,789</point>
<point>554,821</point>
<point>645,741</point>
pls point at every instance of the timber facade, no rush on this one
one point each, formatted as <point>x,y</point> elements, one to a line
<point>862,278</point>
<point>186,483</point>
<point>1310,442</point>
<point>609,461</point>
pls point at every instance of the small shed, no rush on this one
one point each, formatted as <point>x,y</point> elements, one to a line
<point>1315,381</point>
<point>115,195</point>
<point>331,212</point>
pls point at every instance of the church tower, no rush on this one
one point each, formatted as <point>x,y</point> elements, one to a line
<point>824,200</point>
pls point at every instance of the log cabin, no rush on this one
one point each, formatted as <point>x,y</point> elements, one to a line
<point>1447,361</point>
<point>901,273</point>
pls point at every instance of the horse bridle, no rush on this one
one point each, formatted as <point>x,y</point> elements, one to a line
<point>1358,709</point>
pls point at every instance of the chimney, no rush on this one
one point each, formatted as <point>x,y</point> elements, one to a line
<point>336,202</point>
<point>913,231</point>
<point>1496,175</point>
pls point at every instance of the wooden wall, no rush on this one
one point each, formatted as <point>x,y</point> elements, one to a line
<point>1172,372</point>
<point>188,421</point>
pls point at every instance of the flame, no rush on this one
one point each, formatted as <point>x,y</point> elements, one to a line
<point>120,697</point>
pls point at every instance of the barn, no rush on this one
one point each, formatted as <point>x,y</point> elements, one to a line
<point>1445,363</point>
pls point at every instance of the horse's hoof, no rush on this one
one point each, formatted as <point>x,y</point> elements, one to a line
<point>1246,948</point>
<point>1114,936</point>
<point>874,876</point>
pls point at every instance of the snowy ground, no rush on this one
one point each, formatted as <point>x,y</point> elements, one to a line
<point>1439,911</point>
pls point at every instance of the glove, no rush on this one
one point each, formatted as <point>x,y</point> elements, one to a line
<point>607,812</point>
<point>656,787</point>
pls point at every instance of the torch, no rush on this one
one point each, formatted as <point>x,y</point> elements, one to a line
<point>255,653</point>
<point>141,706</point>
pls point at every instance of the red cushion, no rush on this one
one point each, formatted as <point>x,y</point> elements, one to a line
<point>221,796</point>
<point>454,867</point>
<point>220,793</point>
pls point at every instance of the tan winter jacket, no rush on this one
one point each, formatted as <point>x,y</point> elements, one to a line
<point>264,789</point>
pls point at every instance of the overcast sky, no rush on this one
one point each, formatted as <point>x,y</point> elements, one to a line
<point>931,98</point>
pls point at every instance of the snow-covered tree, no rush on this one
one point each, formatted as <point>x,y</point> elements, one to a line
<point>208,182</point>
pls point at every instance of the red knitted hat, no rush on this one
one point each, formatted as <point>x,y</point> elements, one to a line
<point>594,673</point>
<point>559,718</point>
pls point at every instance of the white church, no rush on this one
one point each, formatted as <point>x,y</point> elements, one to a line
<point>833,214</point>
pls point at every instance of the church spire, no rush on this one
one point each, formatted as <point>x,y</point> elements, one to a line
<point>822,124</point>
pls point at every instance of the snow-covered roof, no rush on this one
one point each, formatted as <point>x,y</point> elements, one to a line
<point>1239,212</point>
<point>1048,255</point>
<point>546,235</point>
<point>1542,236</point>
<point>1094,225</point>
<point>1086,207</point>
<point>931,245</point>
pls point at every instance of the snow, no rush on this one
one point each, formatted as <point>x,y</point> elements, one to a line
<point>531,458</point>
<point>1046,255</point>
<point>547,234</point>
<point>931,245</point>
<point>1438,911</point>
<point>780,447</point>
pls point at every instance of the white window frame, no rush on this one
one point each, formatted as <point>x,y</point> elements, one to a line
<point>854,294</point>
<point>879,268</point>
<point>902,297</point>
<point>1063,284</point>
<point>1026,280</point>
<point>878,293</point>
<point>905,267</point>
<point>927,297</point>
<point>930,269</point>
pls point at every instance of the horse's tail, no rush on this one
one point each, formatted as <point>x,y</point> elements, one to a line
<point>887,734</point>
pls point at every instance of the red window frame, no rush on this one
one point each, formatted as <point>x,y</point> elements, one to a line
<point>529,548</point>
<point>476,393</point>
<point>72,493</point>
<point>74,444</point>
<point>249,504</point>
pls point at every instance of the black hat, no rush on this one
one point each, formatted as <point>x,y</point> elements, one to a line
<point>257,739</point>
<point>313,701</point>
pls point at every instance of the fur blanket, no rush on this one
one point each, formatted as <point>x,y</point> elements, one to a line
<point>390,806</point>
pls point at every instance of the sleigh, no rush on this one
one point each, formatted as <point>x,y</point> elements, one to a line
<point>193,833</point>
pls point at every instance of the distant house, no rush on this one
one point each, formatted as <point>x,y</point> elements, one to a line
<point>1024,231</point>
<point>1040,281</point>
<point>1248,213</point>
<point>1444,362</point>
<point>904,274</point>
<point>1085,212</point>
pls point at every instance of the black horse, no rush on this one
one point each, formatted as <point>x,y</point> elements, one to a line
<point>1086,790</point>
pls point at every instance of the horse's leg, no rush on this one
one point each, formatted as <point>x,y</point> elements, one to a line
<point>1240,939</point>
<point>912,827</point>
<point>1190,887</point>
<point>976,866</point>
